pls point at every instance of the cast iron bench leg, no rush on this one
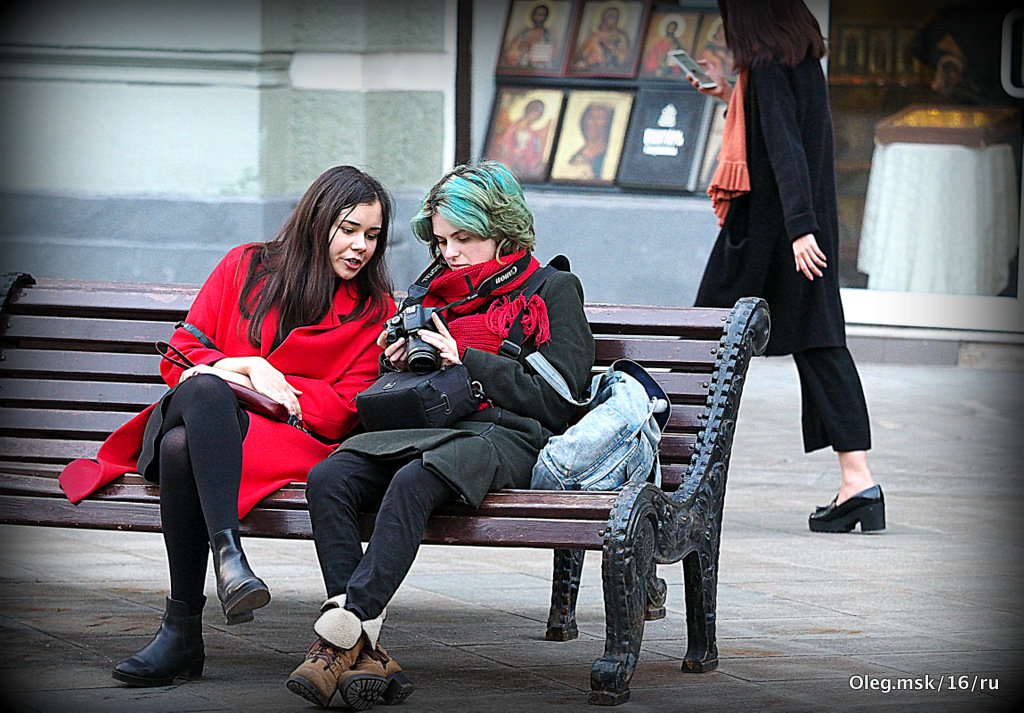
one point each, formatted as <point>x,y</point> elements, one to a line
<point>657,591</point>
<point>626,568</point>
<point>700,576</point>
<point>565,586</point>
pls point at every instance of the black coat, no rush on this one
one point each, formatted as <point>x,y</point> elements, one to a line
<point>497,447</point>
<point>792,193</point>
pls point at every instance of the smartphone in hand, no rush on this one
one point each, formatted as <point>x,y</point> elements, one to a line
<point>692,69</point>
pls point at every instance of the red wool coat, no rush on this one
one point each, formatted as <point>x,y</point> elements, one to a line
<point>329,362</point>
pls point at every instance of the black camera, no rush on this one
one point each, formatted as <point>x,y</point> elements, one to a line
<point>422,357</point>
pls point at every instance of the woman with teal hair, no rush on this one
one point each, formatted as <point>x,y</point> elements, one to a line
<point>479,231</point>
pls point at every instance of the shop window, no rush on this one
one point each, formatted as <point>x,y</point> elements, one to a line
<point>928,144</point>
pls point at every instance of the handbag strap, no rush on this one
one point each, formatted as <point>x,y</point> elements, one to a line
<point>162,348</point>
<point>198,334</point>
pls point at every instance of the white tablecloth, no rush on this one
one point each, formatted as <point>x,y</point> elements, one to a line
<point>940,218</point>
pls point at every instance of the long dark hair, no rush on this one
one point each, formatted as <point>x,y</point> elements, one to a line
<point>293,271</point>
<point>757,31</point>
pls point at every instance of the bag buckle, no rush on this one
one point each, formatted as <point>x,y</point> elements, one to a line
<point>510,349</point>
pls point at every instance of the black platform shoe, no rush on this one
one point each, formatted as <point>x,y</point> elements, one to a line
<point>239,590</point>
<point>176,650</point>
<point>866,507</point>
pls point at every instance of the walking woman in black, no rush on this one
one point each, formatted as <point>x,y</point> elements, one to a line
<point>774,193</point>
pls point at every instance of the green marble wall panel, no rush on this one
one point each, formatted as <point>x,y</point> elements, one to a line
<point>396,136</point>
<point>355,25</point>
<point>406,26</point>
<point>325,128</point>
<point>405,137</point>
<point>275,119</point>
<point>217,25</point>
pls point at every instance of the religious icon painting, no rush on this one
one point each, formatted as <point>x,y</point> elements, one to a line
<point>607,38</point>
<point>536,38</point>
<point>522,131</point>
<point>593,132</point>
<point>670,28</point>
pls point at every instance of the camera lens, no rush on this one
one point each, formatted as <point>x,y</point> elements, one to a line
<point>422,357</point>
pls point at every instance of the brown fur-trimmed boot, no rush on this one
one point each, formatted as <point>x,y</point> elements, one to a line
<point>375,677</point>
<point>316,678</point>
<point>341,637</point>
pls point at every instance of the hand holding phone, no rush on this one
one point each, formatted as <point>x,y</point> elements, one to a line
<point>692,69</point>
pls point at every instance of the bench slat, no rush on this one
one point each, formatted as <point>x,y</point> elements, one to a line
<point>674,449</point>
<point>685,418</point>
<point>441,530</point>
<point>685,388</point>
<point>95,395</point>
<point>171,302</point>
<point>693,323</point>
<point>657,353</point>
<point>107,366</point>
<point>47,450</point>
<point>506,503</point>
<point>56,423</point>
<point>74,331</point>
<point>513,532</point>
<point>83,298</point>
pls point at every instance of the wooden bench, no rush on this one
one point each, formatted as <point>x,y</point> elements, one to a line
<point>77,361</point>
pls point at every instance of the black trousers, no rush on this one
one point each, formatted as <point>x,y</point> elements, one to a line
<point>345,484</point>
<point>834,411</point>
<point>200,466</point>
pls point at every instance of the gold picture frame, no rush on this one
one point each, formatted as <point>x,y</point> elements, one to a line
<point>669,28</point>
<point>536,37</point>
<point>607,36</point>
<point>522,130</point>
<point>593,132</point>
<point>710,45</point>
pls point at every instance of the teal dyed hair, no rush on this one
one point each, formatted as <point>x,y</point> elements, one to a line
<point>484,199</point>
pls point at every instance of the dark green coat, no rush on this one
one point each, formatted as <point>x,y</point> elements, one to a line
<point>497,447</point>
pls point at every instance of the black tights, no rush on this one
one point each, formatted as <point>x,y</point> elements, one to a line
<point>200,473</point>
<point>346,484</point>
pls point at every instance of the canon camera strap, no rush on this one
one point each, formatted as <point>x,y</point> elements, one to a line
<point>418,289</point>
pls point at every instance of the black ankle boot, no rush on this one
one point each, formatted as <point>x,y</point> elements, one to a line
<point>176,650</point>
<point>239,590</point>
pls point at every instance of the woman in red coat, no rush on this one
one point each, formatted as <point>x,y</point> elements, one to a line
<point>295,318</point>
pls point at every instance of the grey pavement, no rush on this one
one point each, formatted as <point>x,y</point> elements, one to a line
<point>925,616</point>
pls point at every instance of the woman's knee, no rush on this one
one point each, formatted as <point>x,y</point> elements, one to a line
<point>204,389</point>
<point>331,475</point>
<point>174,449</point>
<point>416,482</point>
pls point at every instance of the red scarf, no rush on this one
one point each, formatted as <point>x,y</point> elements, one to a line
<point>474,326</point>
